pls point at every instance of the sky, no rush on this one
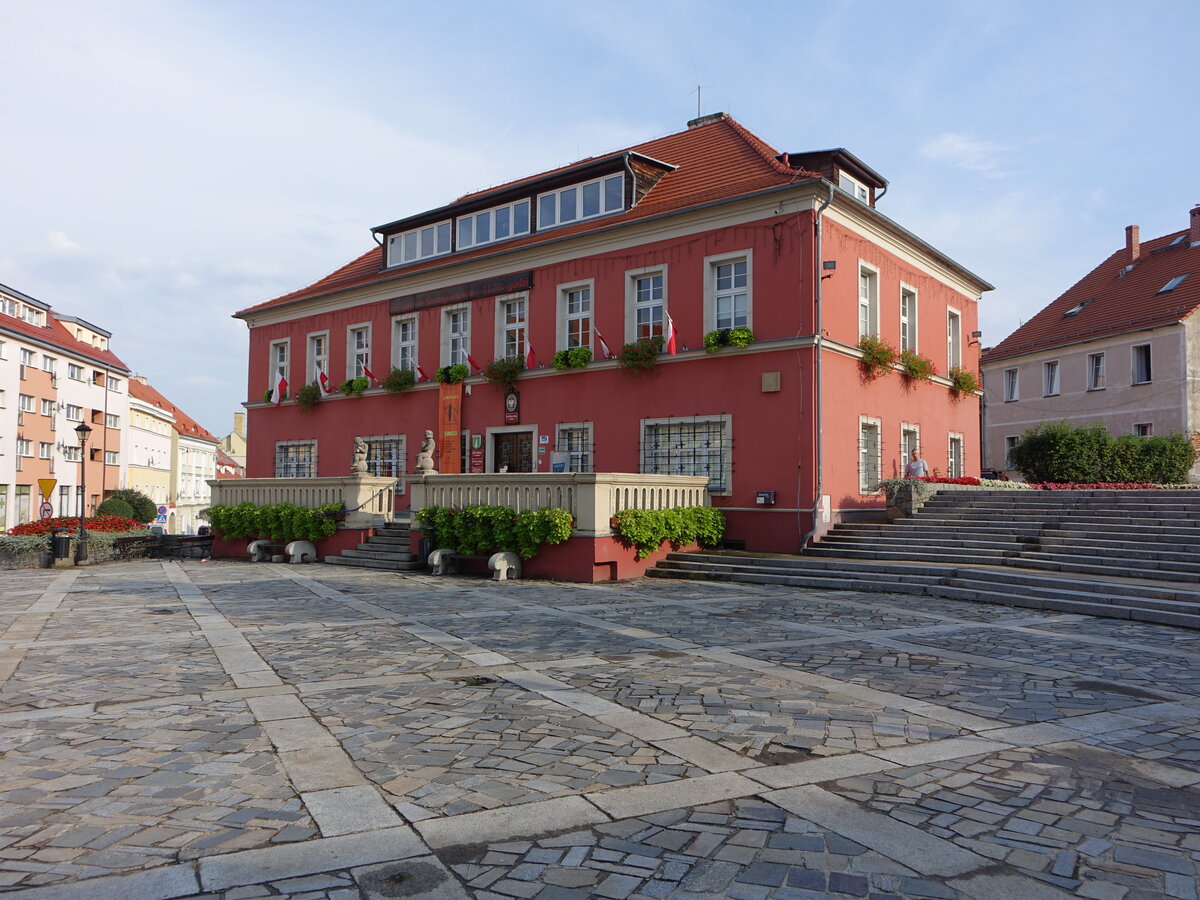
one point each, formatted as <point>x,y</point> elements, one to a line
<point>164,164</point>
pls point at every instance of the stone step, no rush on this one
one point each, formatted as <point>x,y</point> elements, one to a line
<point>389,565</point>
<point>362,551</point>
<point>946,519</point>
<point>1081,545</point>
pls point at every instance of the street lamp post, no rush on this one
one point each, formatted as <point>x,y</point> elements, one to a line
<point>81,548</point>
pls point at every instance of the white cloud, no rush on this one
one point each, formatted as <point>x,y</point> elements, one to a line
<point>59,241</point>
<point>966,152</point>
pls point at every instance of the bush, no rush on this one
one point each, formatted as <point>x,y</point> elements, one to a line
<point>646,529</point>
<point>917,367</point>
<point>452,374</point>
<point>308,396</point>
<point>144,509</point>
<point>354,387</point>
<point>278,522</point>
<point>115,506</point>
<point>25,551</point>
<point>486,529</point>
<point>502,373</point>
<point>963,381</point>
<point>106,524</point>
<point>1056,452</point>
<point>728,337</point>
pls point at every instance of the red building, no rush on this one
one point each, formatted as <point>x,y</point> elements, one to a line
<point>708,229</point>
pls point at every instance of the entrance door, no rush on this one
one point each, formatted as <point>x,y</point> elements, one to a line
<point>513,449</point>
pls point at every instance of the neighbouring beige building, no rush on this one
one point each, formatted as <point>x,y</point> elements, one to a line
<point>1121,348</point>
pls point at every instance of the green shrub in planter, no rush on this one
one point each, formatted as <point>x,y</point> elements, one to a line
<point>502,373</point>
<point>728,337</point>
<point>354,387</point>
<point>115,506</point>
<point>398,381</point>
<point>640,357</point>
<point>575,358</point>
<point>308,396</point>
<point>452,374</point>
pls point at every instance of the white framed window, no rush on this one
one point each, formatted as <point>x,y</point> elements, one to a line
<point>870,455</point>
<point>1144,429</point>
<point>385,455</point>
<point>853,187</point>
<point>25,402</point>
<point>28,357</point>
<point>954,456</point>
<point>280,352</point>
<point>510,327</point>
<point>1012,386</point>
<point>74,372</point>
<point>295,459</point>
<point>456,336</point>
<point>908,318</point>
<point>585,200</point>
<point>701,445</point>
<point>575,440</point>
<point>72,454</point>
<point>404,343</point>
<point>419,243</point>
<point>910,440</point>
<point>112,421</point>
<point>358,350</point>
<point>953,338</point>
<point>113,384</point>
<point>45,450</point>
<point>74,413</point>
<point>24,447</point>
<point>3,355</point>
<point>318,356</point>
<point>110,458</point>
<point>575,315</point>
<point>48,364</point>
<point>1050,378</point>
<point>1010,441</point>
<point>496,224</point>
<point>727,290</point>
<point>868,300</point>
<point>1142,372</point>
<point>645,303</point>
<point>1095,372</point>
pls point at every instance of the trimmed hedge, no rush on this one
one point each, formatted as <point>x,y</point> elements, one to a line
<point>483,529</point>
<point>278,522</point>
<point>1058,452</point>
<point>646,529</point>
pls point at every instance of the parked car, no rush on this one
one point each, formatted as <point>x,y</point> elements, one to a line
<point>993,475</point>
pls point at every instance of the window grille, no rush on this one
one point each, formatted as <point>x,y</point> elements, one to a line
<point>296,459</point>
<point>689,447</point>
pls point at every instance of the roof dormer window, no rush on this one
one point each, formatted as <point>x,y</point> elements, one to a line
<point>496,224</point>
<point>581,201</point>
<point>853,187</point>
<point>418,244</point>
<point>1076,309</point>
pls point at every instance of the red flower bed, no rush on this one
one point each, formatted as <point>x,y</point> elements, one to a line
<point>936,479</point>
<point>1098,486</point>
<point>71,523</point>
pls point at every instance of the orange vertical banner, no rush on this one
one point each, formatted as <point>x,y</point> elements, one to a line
<point>449,428</point>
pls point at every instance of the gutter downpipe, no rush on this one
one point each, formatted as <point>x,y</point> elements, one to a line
<point>818,347</point>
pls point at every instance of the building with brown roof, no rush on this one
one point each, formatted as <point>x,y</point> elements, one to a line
<point>192,459</point>
<point>1120,348</point>
<point>709,229</point>
<point>57,373</point>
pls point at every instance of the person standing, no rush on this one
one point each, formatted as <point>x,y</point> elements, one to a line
<point>917,467</point>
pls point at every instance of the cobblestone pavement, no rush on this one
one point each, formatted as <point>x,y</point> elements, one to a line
<point>235,730</point>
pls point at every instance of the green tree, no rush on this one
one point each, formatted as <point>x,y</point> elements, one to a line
<point>144,509</point>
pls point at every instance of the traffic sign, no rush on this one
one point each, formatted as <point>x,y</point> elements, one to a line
<point>46,485</point>
<point>46,510</point>
<point>162,510</point>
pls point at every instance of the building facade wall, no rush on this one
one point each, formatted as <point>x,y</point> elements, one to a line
<point>1120,404</point>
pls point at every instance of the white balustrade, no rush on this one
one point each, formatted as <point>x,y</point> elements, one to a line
<point>367,499</point>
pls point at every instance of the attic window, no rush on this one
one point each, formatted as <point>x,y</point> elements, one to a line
<point>1179,240</point>
<point>1172,284</point>
<point>854,187</point>
<point>1076,309</point>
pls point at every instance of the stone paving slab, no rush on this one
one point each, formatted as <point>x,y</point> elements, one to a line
<point>317,732</point>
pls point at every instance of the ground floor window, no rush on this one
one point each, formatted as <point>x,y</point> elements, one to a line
<point>385,455</point>
<point>575,440</point>
<point>697,446</point>
<point>24,510</point>
<point>870,455</point>
<point>1009,442</point>
<point>296,459</point>
<point>3,506</point>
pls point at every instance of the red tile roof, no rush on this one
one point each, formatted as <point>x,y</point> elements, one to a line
<point>56,334</point>
<point>720,160</point>
<point>184,424</point>
<point>227,466</point>
<point>1115,301</point>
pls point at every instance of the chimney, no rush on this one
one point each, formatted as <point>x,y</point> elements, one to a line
<point>1133,244</point>
<point>707,120</point>
<point>239,424</point>
<point>1194,237</point>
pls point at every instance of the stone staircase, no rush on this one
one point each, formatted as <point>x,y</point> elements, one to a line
<point>387,549</point>
<point>1124,554</point>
